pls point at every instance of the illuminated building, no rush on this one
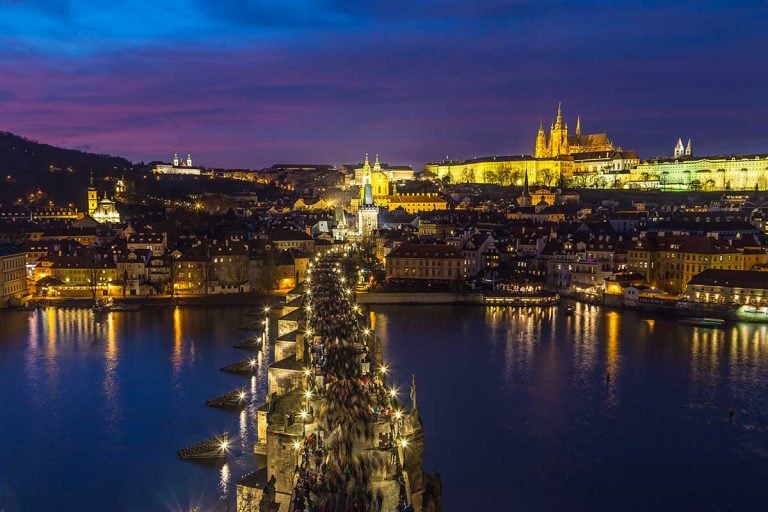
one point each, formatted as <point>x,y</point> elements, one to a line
<point>687,172</point>
<point>178,166</point>
<point>426,262</point>
<point>381,184</point>
<point>560,142</point>
<point>13,274</point>
<point>743,287</point>
<point>670,262</point>
<point>367,213</point>
<point>106,211</point>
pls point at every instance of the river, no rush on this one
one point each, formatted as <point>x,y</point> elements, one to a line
<point>523,410</point>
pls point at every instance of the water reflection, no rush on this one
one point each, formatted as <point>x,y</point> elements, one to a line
<point>110,384</point>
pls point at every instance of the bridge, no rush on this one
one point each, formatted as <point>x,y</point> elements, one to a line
<point>337,434</point>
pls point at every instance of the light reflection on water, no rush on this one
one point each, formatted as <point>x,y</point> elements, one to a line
<point>529,389</point>
<point>102,402</point>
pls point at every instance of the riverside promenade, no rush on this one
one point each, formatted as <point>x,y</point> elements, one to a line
<point>336,434</point>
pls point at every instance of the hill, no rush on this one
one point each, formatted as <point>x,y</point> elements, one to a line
<point>36,172</point>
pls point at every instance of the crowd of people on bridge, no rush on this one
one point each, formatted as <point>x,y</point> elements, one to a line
<point>333,474</point>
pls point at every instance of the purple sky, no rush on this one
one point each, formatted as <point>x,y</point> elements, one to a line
<point>248,84</point>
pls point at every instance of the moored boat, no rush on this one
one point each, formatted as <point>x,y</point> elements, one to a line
<point>702,321</point>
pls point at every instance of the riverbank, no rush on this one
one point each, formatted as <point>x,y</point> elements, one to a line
<point>233,299</point>
<point>437,298</point>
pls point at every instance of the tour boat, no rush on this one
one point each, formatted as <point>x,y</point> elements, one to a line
<point>703,321</point>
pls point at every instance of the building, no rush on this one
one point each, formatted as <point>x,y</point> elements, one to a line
<point>670,262</point>
<point>561,143</point>
<point>367,213</point>
<point>504,170</point>
<point>13,275</point>
<point>688,172</point>
<point>178,166</point>
<point>155,242</point>
<point>416,203</point>
<point>425,262</point>
<point>106,211</point>
<point>719,286</point>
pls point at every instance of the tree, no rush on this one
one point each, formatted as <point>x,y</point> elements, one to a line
<point>468,175</point>
<point>490,176</point>
<point>505,176</point>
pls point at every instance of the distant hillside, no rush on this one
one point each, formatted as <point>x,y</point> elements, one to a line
<point>61,174</point>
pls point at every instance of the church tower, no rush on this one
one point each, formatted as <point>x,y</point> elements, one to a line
<point>679,150</point>
<point>558,135</point>
<point>540,150</point>
<point>689,149</point>
<point>93,197</point>
<point>175,159</point>
<point>189,159</point>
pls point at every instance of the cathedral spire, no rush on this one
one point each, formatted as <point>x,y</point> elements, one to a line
<point>578,126</point>
<point>376,164</point>
<point>366,164</point>
<point>559,120</point>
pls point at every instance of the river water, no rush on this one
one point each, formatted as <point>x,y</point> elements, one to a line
<point>523,410</point>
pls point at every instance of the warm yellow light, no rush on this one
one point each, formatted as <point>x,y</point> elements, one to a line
<point>404,443</point>
<point>266,309</point>
<point>393,393</point>
<point>366,332</point>
<point>398,415</point>
<point>304,415</point>
<point>252,362</point>
<point>242,395</point>
<point>307,372</point>
<point>383,369</point>
<point>296,445</point>
<point>224,445</point>
<point>308,394</point>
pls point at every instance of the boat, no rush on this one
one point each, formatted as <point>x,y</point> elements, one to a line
<point>124,307</point>
<point>212,448</point>
<point>569,310</point>
<point>702,321</point>
<point>101,305</point>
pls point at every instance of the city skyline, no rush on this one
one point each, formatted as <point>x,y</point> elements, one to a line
<point>246,86</point>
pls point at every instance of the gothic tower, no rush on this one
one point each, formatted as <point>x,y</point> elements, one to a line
<point>540,150</point>
<point>558,135</point>
<point>689,149</point>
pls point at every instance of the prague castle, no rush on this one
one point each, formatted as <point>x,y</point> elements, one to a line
<point>578,159</point>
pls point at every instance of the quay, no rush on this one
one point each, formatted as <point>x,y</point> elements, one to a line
<point>246,366</point>
<point>211,448</point>
<point>236,398</point>
<point>335,430</point>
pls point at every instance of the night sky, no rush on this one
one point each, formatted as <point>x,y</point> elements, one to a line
<point>247,83</point>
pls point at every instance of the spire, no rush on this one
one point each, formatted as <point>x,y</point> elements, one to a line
<point>559,120</point>
<point>578,126</point>
<point>90,180</point>
<point>366,164</point>
<point>376,164</point>
<point>526,193</point>
<point>689,149</point>
<point>679,150</point>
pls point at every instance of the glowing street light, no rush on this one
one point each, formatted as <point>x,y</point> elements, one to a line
<point>252,362</point>
<point>404,443</point>
<point>223,446</point>
<point>383,369</point>
<point>393,393</point>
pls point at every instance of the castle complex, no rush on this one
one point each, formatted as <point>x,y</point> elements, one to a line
<point>591,160</point>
